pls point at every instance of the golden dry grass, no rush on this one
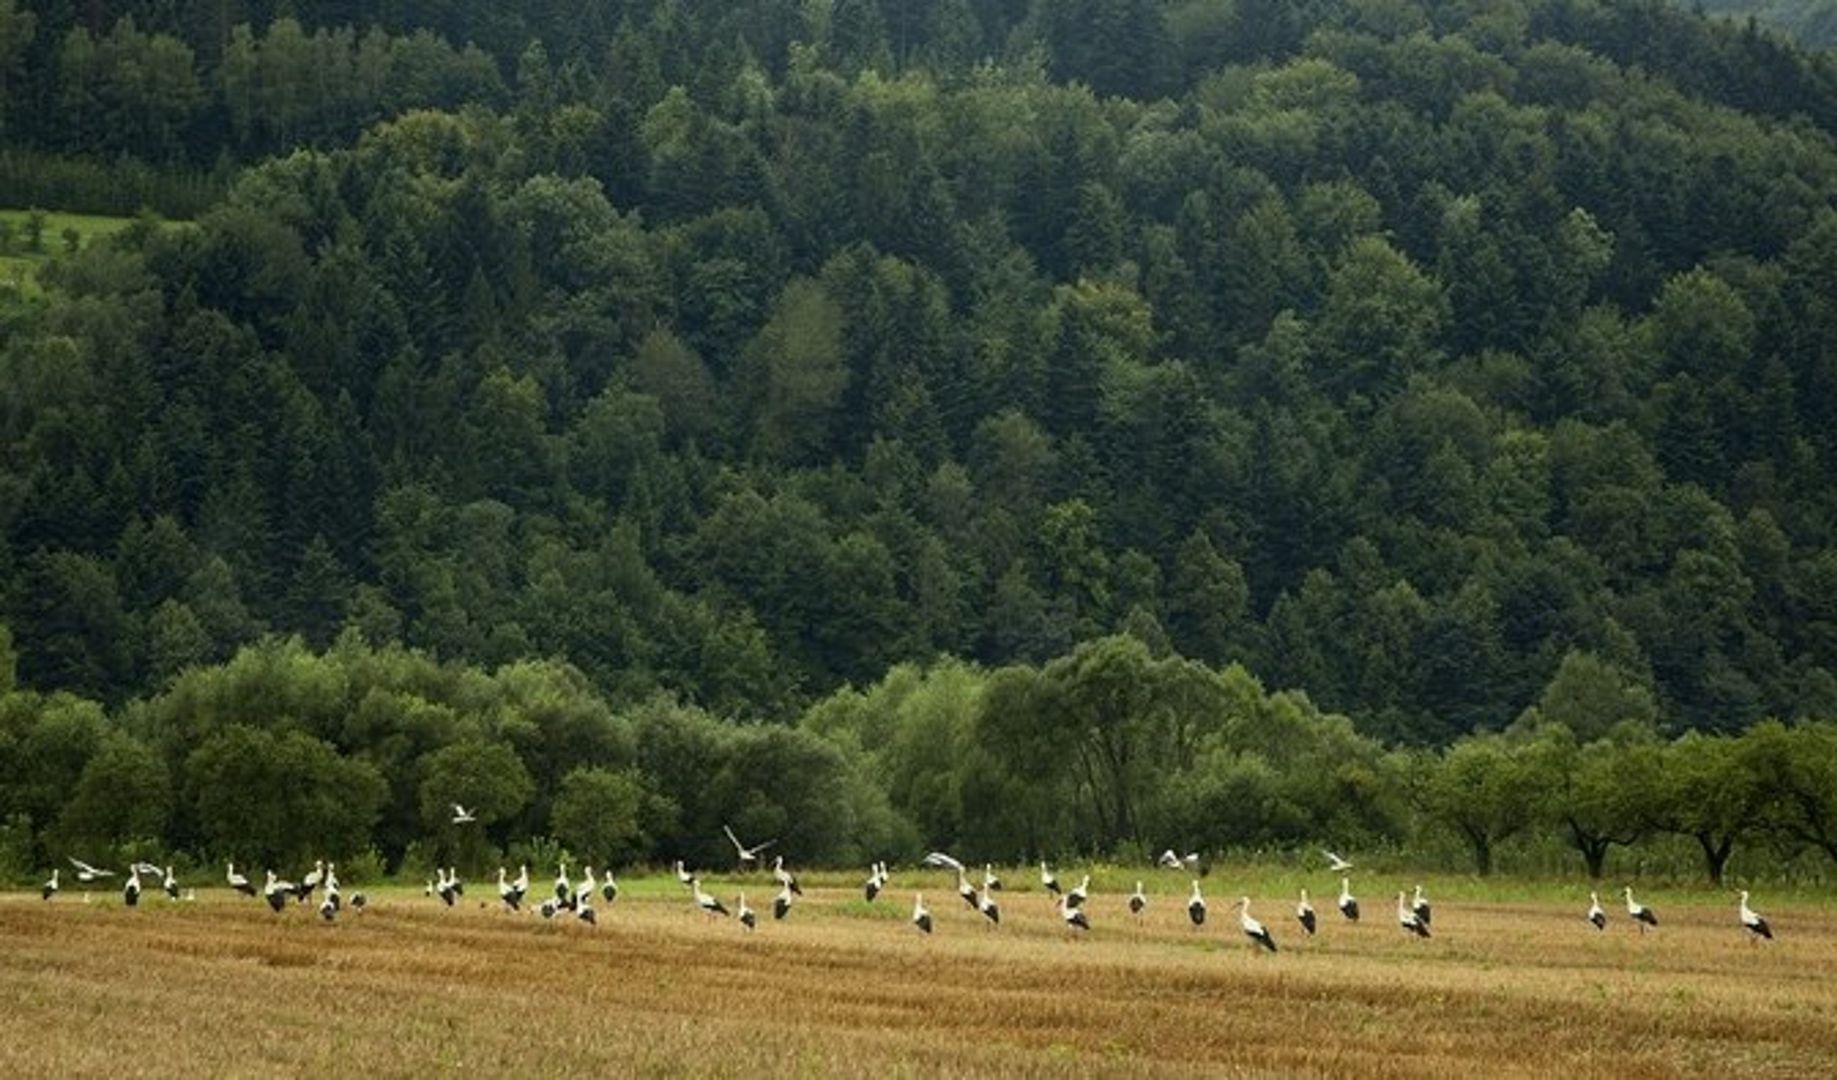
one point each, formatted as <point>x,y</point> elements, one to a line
<point>221,987</point>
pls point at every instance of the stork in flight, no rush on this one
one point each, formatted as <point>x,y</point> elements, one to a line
<point>748,856</point>
<point>1336,864</point>
<point>1173,861</point>
<point>87,873</point>
<point>939,860</point>
<point>462,816</point>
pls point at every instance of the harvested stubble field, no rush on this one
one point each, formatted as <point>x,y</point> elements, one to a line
<point>222,987</point>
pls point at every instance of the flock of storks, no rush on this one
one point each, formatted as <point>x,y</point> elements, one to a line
<point>576,898</point>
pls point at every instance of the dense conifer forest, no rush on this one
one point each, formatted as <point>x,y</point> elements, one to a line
<point>1027,426</point>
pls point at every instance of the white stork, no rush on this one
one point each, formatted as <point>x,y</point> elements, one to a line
<point>684,876</point>
<point>548,908</point>
<point>507,892</point>
<point>1047,880</point>
<point>989,880</point>
<point>130,892</point>
<point>446,888</point>
<point>1079,893</point>
<point>358,902</point>
<point>785,879</point>
<point>1174,861</point>
<point>747,856</point>
<point>921,915</point>
<point>1419,906</point>
<point>966,891</point>
<point>990,910</point>
<point>583,889</point>
<point>564,890</point>
<point>462,816</point>
<point>1335,864</point>
<point>1254,930</point>
<point>609,889</point>
<point>310,882</point>
<point>1304,914</point>
<point>747,918</point>
<point>1196,906</point>
<point>1752,921</point>
<point>238,881</point>
<point>49,888</point>
<point>876,880</point>
<point>1348,903</point>
<point>87,873</point>
<point>276,892</point>
<point>453,882</point>
<point>1138,900</point>
<point>938,860</point>
<point>170,884</point>
<point>1597,915</point>
<point>1640,913</point>
<point>1407,919</point>
<point>328,907</point>
<point>781,904</point>
<point>583,909</point>
<point>709,905</point>
<point>1075,918</point>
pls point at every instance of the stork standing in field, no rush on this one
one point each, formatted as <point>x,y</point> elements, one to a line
<point>990,910</point>
<point>170,884</point>
<point>130,892</point>
<point>238,881</point>
<point>49,888</point>
<point>1640,913</point>
<point>1597,915</point>
<point>1138,901</point>
<point>609,889</point>
<point>965,891</point>
<point>310,882</point>
<point>1348,903</point>
<point>684,876</point>
<point>358,902</point>
<point>328,907</point>
<point>1254,930</point>
<point>548,908</point>
<point>876,881</point>
<point>785,879</point>
<point>747,918</point>
<point>1752,922</point>
<point>748,857</point>
<point>453,882</point>
<point>1196,906</point>
<point>583,909</point>
<point>276,892</point>
<point>989,880</point>
<point>709,905</point>
<point>1304,914</point>
<point>564,889</point>
<point>1335,864</point>
<point>507,892</point>
<point>1080,892</point>
<point>447,888</point>
<point>921,915</point>
<point>1076,920</point>
<point>1407,919</point>
<point>781,904</point>
<point>1048,880</point>
<point>583,891</point>
<point>1419,905</point>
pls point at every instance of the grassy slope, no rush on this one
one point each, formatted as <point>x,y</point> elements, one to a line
<point>21,267</point>
<point>846,987</point>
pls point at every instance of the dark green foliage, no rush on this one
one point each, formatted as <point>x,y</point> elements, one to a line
<point>1442,364</point>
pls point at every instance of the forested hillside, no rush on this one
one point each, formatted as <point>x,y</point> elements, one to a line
<point>1812,23</point>
<point>738,352</point>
